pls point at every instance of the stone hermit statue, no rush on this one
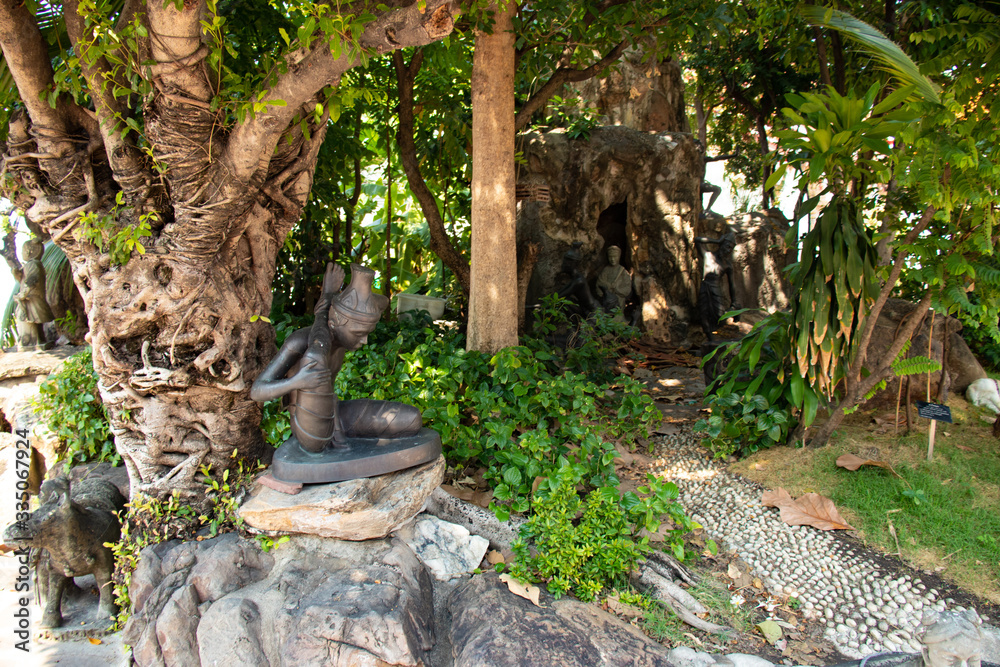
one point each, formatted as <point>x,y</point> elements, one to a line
<point>614,284</point>
<point>716,262</point>
<point>334,440</point>
<point>32,309</point>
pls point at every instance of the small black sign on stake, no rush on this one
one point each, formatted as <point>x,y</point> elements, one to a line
<point>941,413</point>
<point>935,412</point>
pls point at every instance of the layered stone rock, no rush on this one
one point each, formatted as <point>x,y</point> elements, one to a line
<point>492,626</point>
<point>312,601</point>
<point>358,509</point>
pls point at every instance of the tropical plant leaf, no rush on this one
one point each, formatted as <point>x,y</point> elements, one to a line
<point>880,47</point>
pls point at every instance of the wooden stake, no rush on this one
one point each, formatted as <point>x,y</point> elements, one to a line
<point>930,433</point>
<point>930,440</point>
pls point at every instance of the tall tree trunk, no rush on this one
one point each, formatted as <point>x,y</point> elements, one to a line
<point>701,117</point>
<point>493,297</point>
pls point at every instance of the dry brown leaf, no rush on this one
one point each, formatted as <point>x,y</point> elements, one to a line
<point>538,482</point>
<point>480,498</point>
<point>494,557</point>
<point>733,571</point>
<point>964,448</point>
<point>852,462</point>
<point>94,640</point>
<point>811,509</point>
<point>624,609</point>
<point>528,592</point>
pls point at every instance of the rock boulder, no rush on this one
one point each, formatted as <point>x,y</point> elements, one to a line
<point>492,626</point>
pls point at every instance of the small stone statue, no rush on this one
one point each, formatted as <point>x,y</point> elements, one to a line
<point>948,639</point>
<point>32,309</point>
<point>715,262</point>
<point>614,284</point>
<point>334,440</point>
<point>70,529</point>
<point>576,288</point>
<point>951,639</point>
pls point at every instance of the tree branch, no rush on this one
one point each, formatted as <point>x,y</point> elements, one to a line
<point>252,143</point>
<point>441,245</point>
<point>890,284</point>
<point>559,78</point>
<point>27,57</point>
<point>125,159</point>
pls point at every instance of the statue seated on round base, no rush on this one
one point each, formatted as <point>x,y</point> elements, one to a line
<point>334,440</point>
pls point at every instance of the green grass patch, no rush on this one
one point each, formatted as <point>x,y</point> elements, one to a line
<point>946,512</point>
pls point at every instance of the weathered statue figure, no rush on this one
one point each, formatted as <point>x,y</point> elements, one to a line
<point>951,639</point>
<point>614,284</point>
<point>576,288</point>
<point>68,534</point>
<point>948,639</point>
<point>715,263</point>
<point>333,440</point>
<point>32,309</point>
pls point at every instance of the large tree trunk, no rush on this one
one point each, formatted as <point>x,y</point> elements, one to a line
<point>493,298</point>
<point>173,328</point>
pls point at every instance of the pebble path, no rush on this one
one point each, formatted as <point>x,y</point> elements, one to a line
<point>866,610</point>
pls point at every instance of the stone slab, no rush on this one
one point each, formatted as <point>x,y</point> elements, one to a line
<point>357,509</point>
<point>291,488</point>
<point>361,457</point>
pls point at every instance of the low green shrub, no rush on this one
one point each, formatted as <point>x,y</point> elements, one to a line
<point>757,399</point>
<point>70,405</point>
<point>584,545</point>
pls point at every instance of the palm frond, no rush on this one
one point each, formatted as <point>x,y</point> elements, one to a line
<point>880,47</point>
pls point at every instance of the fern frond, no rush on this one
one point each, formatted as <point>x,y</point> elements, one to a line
<point>915,366</point>
<point>874,390</point>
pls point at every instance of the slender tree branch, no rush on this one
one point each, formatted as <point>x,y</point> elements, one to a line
<point>253,142</point>
<point>559,78</point>
<point>890,284</point>
<point>441,244</point>
<point>125,159</point>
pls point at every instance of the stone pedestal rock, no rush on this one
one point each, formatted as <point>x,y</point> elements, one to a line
<point>358,509</point>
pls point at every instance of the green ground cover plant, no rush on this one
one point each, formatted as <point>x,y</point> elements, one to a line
<point>70,405</point>
<point>542,421</point>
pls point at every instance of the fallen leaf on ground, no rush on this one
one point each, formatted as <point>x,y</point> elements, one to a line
<point>526,591</point>
<point>964,448</point>
<point>668,429</point>
<point>733,570</point>
<point>770,630</point>
<point>480,498</point>
<point>852,462</point>
<point>94,640</point>
<point>494,557</point>
<point>811,509</point>
<point>620,608</point>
